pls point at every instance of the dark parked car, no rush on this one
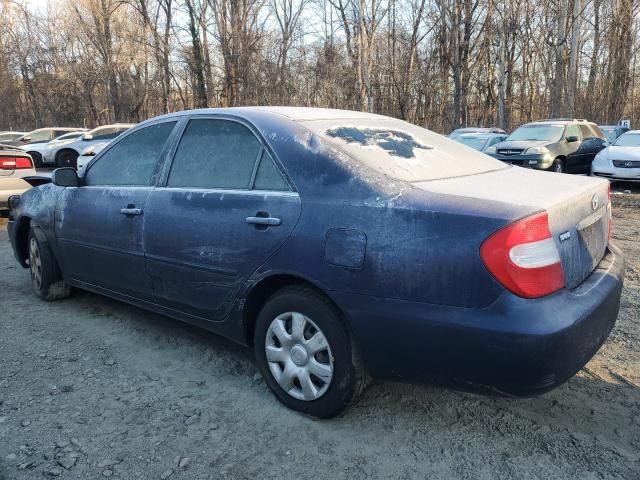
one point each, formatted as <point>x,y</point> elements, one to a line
<point>562,145</point>
<point>339,245</point>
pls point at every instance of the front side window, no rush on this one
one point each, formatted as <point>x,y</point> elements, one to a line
<point>107,133</point>
<point>215,153</point>
<point>573,131</point>
<point>133,160</point>
<point>38,136</point>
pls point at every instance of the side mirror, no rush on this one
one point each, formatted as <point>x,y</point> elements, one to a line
<point>87,136</point>
<point>572,139</point>
<point>25,139</point>
<point>65,177</point>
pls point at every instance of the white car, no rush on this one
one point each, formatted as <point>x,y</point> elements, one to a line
<point>15,168</point>
<point>621,160</point>
<point>49,150</point>
<point>67,156</point>
<point>34,142</point>
<point>88,153</point>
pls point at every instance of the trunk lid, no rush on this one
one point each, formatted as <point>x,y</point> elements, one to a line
<point>577,208</point>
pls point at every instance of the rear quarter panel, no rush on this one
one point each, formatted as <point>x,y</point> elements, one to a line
<point>420,246</point>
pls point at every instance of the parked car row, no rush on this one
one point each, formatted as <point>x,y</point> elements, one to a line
<point>61,146</point>
<point>560,145</point>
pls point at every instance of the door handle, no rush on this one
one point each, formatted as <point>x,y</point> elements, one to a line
<point>265,221</point>
<point>131,211</point>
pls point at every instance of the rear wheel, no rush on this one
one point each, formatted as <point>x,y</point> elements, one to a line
<point>46,279</point>
<point>67,158</point>
<point>306,354</point>
<point>558,166</point>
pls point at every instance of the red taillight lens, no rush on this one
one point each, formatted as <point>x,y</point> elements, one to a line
<point>523,257</point>
<point>15,163</point>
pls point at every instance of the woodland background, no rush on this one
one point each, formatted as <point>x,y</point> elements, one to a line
<point>437,63</point>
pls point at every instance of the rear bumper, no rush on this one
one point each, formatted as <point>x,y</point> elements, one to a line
<point>514,347</point>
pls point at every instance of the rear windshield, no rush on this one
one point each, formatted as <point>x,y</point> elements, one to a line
<point>628,140</point>
<point>401,150</point>
<point>549,133</point>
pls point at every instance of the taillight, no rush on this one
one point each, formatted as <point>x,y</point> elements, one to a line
<point>15,163</point>
<point>523,257</point>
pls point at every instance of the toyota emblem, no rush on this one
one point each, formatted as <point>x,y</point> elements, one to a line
<point>594,201</point>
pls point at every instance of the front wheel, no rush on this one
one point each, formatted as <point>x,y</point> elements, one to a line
<point>306,354</point>
<point>558,166</point>
<point>46,279</point>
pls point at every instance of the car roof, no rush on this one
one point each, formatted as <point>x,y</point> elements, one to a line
<point>631,132</point>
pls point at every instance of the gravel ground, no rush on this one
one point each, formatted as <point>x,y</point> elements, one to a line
<point>92,388</point>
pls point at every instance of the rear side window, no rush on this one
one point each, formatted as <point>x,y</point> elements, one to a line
<point>268,177</point>
<point>215,153</point>
<point>133,160</point>
<point>586,131</point>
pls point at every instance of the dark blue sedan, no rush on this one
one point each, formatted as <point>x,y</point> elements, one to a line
<point>339,245</point>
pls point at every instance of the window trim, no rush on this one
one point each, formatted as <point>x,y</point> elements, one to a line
<point>162,157</point>
<point>179,134</point>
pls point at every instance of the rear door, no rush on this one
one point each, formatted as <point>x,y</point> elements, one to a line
<point>224,207</point>
<point>99,224</point>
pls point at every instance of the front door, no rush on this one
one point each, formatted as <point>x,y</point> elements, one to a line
<point>576,151</point>
<point>100,224</point>
<point>224,209</point>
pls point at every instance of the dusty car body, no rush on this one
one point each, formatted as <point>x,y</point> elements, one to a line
<point>437,263</point>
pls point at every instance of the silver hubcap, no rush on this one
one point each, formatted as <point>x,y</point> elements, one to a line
<point>299,356</point>
<point>35,264</point>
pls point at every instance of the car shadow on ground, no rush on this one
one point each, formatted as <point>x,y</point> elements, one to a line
<point>585,404</point>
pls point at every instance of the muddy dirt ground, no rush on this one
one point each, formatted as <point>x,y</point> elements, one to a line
<point>92,388</point>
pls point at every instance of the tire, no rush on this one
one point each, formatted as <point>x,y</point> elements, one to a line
<point>46,279</point>
<point>37,159</point>
<point>67,158</point>
<point>342,375</point>
<point>558,166</point>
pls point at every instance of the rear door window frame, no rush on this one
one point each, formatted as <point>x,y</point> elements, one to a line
<point>179,132</point>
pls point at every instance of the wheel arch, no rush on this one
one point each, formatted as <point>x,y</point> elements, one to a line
<point>64,150</point>
<point>22,238</point>
<point>264,288</point>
